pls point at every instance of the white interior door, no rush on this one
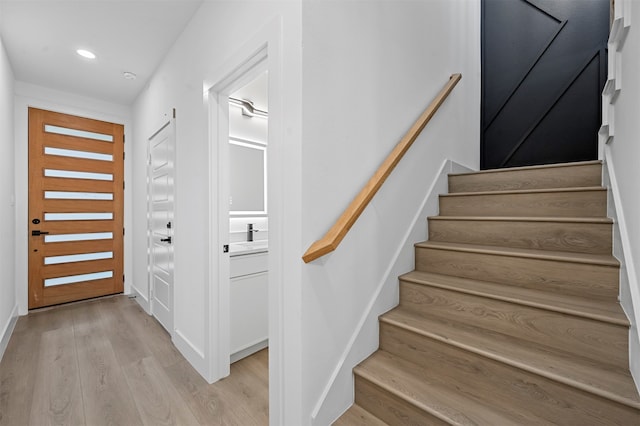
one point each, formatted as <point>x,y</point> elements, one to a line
<point>161,223</point>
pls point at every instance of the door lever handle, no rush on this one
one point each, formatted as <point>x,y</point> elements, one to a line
<point>37,232</point>
<point>166,240</point>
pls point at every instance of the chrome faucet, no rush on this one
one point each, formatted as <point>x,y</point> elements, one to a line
<point>250,231</point>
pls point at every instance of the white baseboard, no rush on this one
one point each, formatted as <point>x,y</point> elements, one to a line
<point>141,299</point>
<point>8,330</point>
<point>249,350</point>
<point>192,354</point>
<point>629,291</point>
<point>338,394</point>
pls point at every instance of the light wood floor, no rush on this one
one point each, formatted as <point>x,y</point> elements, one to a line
<point>107,362</point>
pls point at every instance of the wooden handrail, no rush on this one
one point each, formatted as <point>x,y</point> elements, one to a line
<point>330,241</point>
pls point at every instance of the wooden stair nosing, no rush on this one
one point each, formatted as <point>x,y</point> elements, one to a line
<point>517,296</point>
<point>440,390</point>
<point>513,361</point>
<point>536,167</point>
<point>559,219</point>
<point>557,256</point>
<point>358,416</point>
<point>575,236</point>
<point>526,191</point>
<point>583,337</point>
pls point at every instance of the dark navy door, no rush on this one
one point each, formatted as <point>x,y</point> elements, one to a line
<point>543,71</point>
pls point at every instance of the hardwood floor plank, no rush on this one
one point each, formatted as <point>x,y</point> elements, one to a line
<point>107,398</point>
<point>253,390</point>
<point>57,397</point>
<point>106,361</point>
<point>207,402</point>
<point>46,319</point>
<point>126,342</point>
<point>158,401</point>
<point>155,338</point>
<point>17,377</point>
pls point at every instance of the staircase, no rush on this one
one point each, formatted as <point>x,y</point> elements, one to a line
<point>511,316</point>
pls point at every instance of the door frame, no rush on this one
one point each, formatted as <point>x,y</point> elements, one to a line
<point>170,121</point>
<point>285,399</point>
<point>28,95</point>
<point>219,114</point>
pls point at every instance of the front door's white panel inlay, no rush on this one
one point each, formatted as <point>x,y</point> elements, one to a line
<point>78,216</point>
<point>54,260</point>
<point>63,238</point>
<point>78,133</point>
<point>70,174</point>
<point>61,195</point>
<point>71,279</point>
<point>77,154</point>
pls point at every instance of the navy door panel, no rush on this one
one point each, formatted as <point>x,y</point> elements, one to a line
<point>543,70</point>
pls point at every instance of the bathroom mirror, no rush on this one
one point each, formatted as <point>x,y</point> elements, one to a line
<point>247,174</point>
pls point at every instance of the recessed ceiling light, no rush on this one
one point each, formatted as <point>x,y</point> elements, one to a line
<point>86,54</point>
<point>129,75</point>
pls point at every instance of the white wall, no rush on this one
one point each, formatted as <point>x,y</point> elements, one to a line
<point>31,95</point>
<point>365,71</point>
<point>217,36</point>
<point>369,70</point>
<point>622,154</point>
<point>8,302</point>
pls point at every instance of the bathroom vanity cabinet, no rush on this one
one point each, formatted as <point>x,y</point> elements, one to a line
<point>249,308</point>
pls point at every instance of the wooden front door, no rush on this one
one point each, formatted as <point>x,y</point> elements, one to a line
<point>543,71</point>
<point>76,188</point>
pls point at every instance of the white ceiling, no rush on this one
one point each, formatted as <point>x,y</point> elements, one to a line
<point>41,38</point>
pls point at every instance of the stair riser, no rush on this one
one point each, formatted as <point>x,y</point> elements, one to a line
<point>593,238</point>
<point>568,278</point>
<point>387,407</point>
<point>595,340</point>
<point>493,381</point>
<point>543,178</point>
<point>548,204</point>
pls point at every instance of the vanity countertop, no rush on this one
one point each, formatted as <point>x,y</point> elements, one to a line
<point>248,247</point>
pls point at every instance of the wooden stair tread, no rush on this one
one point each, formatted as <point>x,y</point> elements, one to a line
<point>559,256</point>
<point>527,191</point>
<point>434,394</point>
<point>358,416</point>
<point>598,220</point>
<point>537,167</point>
<point>608,382</point>
<point>600,310</point>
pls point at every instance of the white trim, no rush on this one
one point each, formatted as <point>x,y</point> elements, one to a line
<point>249,350</point>
<point>285,353</point>
<point>239,75</point>
<point>142,300</point>
<point>8,330</point>
<point>190,351</point>
<point>631,277</point>
<point>364,340</point>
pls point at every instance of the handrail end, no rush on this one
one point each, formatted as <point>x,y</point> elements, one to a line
<point>317,250</point>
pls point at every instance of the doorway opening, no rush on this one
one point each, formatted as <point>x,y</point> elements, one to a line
<point>248,219</point>
<point>243,310</point>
